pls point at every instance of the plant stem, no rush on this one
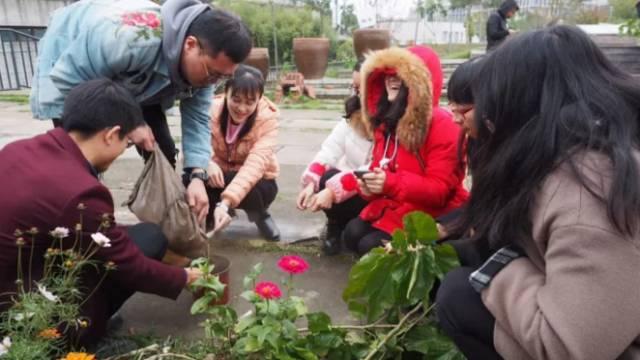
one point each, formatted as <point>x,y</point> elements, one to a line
<point>130,354</point>
<point>21,287</point>
<point>356,327</point>
<point>33,242</point>
<point>395,330</point>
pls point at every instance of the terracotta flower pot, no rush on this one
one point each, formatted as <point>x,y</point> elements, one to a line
<point>221,268</point>
<point>311,56</point>
<point>370,39</point>
<point>259,59</point>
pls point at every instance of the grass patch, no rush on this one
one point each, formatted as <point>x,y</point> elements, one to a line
<point>15,98</point>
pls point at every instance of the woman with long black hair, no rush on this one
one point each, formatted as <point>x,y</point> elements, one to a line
<point>556,196</point>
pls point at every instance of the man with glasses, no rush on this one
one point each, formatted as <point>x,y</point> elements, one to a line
<point>177,51</point>
<point>51,181</point>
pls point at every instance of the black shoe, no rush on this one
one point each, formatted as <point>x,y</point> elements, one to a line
<point>268,228</point>
<point>331,240</point>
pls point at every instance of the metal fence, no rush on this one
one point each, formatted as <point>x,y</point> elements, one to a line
<point>18,53</point>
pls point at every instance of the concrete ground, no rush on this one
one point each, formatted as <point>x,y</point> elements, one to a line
<point>301,133</point>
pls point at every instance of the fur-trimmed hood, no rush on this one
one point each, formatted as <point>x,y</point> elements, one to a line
<point>420,70</point>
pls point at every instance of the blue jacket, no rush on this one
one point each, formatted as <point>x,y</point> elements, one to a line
<point>121,40</point>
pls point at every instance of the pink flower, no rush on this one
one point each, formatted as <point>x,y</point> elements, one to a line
<point>137,18</point>
<point>127,20</point>
<point>268,290</point>
<point>152,20</point>
<point>293,264</point>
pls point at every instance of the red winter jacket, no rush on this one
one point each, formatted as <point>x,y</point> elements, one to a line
<point>425,174</point>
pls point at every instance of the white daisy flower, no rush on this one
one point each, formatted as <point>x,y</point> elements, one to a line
<point>5,345</point>
<point>47,294</point>
<point>22,316</point>
<point>60,232</point>
<point>101,240</point>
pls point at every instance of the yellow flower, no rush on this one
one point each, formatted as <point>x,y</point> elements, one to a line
<point>50,334</point>
<point>79,356</point>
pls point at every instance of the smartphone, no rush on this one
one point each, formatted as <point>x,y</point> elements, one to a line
<point>360,173</point>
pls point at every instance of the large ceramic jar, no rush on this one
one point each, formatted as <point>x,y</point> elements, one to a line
<point>370,39</point>
<point>259,58</point>
<point>311,56</point>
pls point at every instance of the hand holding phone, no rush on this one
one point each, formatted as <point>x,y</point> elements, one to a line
<point>360,173</point>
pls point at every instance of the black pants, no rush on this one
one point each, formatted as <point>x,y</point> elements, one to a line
<point>153,244</point>
<point>463,316</point>
<point>156,119</point>
<point>360,237</point>
<point>255,204</point>
<point>340,214</point>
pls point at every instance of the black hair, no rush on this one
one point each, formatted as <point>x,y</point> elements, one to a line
<point>459,91</point>
<point>219,30</point>
<point>246,81</point>
<point>459,84</point>
<point>389,113</point>
<point>508,5</point>
<point>100,104</point>
<point>351,105</point>
<point>549,94</point>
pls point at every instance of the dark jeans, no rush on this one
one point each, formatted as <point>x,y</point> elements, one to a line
<point>111,294</point>
<point>153,244</point>
<point>156,119</point>
<point>255,204</point>
<point>340,214</point>
<point>463,316</point>
<point>360,237</point>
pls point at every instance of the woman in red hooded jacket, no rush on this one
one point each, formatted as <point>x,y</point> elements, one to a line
<point>415,163</point>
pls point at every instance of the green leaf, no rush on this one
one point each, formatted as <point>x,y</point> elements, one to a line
<point>414,275</point>
<point>245,323</point>
<point>200,306</point>
<point>399,240</point>
<point>428,340</point>
<point>318,322</point>
<point>299,306</point>
<point>446,259</point>
<point>249,280</point>
<point>420,228</point>
<point>249,295</point>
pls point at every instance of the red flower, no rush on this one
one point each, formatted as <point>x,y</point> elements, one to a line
<point>268,290</point>
<point>293,264</point>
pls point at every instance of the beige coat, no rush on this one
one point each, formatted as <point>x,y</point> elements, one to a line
<point>577,294</point>
<point>253,156</point>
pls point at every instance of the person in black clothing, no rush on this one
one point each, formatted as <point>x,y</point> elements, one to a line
<point>497,29</point>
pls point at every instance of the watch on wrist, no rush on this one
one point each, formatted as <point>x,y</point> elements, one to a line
<point>481,278</point>
<point>223,206</point>
<point>202,175</point>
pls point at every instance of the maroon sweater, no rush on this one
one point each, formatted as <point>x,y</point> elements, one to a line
<point>42,181</point>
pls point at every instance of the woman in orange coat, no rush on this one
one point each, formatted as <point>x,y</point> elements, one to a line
<point>243,168</point>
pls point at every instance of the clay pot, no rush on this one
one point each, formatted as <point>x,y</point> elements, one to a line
<point>311,56</point>
<point>259,59</point>
<point>221,268</point>
<point>370,39</point>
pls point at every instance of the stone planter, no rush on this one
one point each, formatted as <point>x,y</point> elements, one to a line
<point>370,39</point>
<point>311,56</point>
<point>259,59</point>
